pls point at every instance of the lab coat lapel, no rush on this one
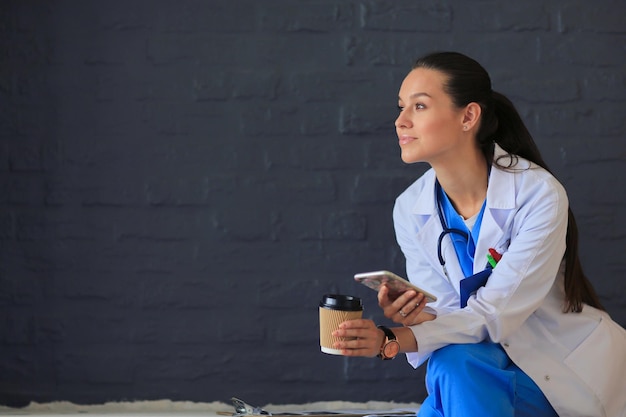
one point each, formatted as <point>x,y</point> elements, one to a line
<point>500,207</point>
<point>430,228</point>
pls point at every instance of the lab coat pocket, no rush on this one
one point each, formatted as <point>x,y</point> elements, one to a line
<point>600,361</point>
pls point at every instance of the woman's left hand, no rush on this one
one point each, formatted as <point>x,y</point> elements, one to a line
<point>407,309</point>
<point>366,338</point>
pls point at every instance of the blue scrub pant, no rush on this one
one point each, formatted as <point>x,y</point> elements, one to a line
<point>480,380</point>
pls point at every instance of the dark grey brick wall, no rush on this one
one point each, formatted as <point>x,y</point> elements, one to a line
<point>180,181</point>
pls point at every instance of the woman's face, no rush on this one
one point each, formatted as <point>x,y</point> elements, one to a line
<point>429,126</point>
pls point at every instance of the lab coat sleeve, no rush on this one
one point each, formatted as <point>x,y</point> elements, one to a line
<point>521,280</point>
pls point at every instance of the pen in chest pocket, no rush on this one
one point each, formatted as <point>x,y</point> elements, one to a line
<point>493,257</point>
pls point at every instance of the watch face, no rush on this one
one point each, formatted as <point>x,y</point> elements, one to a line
<point>391,349</point>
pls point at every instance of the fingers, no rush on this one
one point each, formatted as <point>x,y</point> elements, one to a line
<point>412,308</point>
<point>383,297</point>
<point>401,306</point>
<point>357,324</point>
<point>404,306</point>
<point>358,338</point>
<point>417,315</point>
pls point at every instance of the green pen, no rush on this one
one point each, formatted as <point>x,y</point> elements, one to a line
<point>491,261</point>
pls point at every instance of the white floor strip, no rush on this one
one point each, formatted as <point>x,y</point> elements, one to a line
<point>168,408</point>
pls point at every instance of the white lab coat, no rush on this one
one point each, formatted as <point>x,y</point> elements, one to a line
<point>577,359</point>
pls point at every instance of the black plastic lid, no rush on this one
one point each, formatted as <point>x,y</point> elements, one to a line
<point>341,302</point>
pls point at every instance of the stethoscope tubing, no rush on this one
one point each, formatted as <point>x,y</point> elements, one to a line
<point>446,231</point>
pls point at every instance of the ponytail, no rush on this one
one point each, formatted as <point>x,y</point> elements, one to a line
<point>511,134</point>
<point>578,288</point>
<point>505,127</point>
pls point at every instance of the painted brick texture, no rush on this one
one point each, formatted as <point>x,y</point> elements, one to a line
<point>180,182</point>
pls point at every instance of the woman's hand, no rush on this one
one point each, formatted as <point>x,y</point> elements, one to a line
<point>406,309</point>
<point>365,339</point>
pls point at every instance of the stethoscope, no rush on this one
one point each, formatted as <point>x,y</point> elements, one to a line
<point>446,231</point>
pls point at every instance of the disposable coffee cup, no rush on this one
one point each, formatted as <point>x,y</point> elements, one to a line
<point>335,309</point>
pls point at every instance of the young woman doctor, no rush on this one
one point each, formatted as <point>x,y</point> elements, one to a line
<point>525,334</point>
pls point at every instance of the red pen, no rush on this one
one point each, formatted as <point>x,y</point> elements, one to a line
<point>495,254</point>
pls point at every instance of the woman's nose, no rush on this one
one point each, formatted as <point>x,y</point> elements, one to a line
<point>402,120</point>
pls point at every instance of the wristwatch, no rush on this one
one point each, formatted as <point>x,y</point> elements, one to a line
<point>390,347</point>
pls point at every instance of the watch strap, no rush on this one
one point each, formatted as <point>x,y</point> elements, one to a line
<point>389,336</point>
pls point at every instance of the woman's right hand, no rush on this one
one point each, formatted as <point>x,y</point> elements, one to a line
<point>407,309</point>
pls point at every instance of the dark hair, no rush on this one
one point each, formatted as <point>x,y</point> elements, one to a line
<point>468,82</point>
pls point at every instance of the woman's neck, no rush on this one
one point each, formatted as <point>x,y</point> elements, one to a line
<point>465,183</point>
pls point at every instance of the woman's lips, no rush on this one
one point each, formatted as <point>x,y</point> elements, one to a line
<point>404,139</point>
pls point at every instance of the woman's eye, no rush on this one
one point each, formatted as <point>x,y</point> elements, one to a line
<point>419,106</point>
<point>400,108</point>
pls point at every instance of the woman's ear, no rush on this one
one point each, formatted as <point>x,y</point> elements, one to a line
<point>471,116</point>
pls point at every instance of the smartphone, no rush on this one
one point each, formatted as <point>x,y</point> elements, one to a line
<point>396,284</point>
